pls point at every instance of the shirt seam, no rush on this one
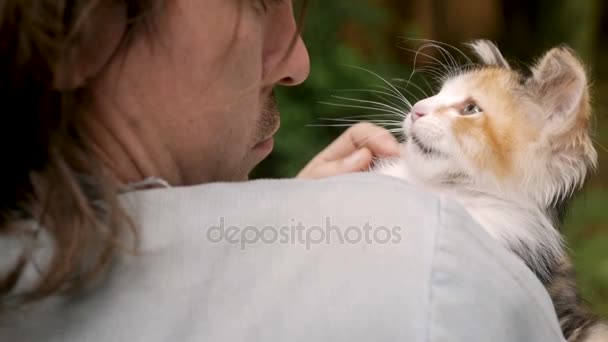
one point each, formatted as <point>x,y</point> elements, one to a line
<point>431,296</point>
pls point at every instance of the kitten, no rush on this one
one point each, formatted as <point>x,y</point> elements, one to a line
<point>512,149</point>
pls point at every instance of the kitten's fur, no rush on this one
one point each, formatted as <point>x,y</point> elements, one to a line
<point>512,149</point>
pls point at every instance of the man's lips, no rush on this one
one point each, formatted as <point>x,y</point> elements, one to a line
<point>269,138</point>
<point>267,144</point>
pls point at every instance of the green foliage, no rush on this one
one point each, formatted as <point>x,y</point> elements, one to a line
<point>574,23</point>
<point>587,238</point>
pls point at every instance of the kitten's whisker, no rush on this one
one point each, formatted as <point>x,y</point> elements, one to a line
<point>450,60</point>
<point>371,117</point>
<point>429,66</point>
<point>468,59</point>
<point>396,92</point>
<point>390,102</point>
<point>375,92</point>
<point>380,104</point>
<point>428,85</point>
<point>359,120</point>
<point>413,69</point>
<point>420,53</point>
<point>379,94</point>
<point>413,84</point>
<point>406,102</point>
<point>426,82</point>
<point>463,69</point>
<point>395,131</point>
<point>433,73</point>
<point>330,125</point>
<point>439,75</point>
<point>382,110</point>
<point>411,93</point>
<point>350,123</point>
<point>445,66</point>
<point>391,115</point>
<point>433,64</point>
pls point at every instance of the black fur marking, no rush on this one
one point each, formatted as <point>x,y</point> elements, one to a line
<point>456,178</point>
<point>574,316</point>
<point>540,259</point>
<point>556,273</point>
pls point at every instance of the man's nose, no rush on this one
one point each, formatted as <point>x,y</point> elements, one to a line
<point>296,66</point>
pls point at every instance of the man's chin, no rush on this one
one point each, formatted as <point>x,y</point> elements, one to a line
<point>261,151</point>
<point>257,154</point>
<point>264,146</point>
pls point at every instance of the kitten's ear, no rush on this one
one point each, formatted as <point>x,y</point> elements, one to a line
<point>489,54</point>
<point>559,83</point>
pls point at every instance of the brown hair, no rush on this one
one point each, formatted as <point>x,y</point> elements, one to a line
<point>48,177</point>
<point>50,186</point>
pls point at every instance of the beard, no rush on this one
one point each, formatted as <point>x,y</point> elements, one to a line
<point>269,120</point>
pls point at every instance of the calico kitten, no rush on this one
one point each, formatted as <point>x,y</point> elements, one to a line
<point>512,149</point>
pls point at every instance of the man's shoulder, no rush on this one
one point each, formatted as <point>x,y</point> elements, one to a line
<point>371,187</point>
<point>263,254</point>
<point>402,261</point>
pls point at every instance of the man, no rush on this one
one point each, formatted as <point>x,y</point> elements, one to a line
<point>189,103</point>
<point>214,91</point>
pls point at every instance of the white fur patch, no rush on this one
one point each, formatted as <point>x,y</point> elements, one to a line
<point>489,54</point>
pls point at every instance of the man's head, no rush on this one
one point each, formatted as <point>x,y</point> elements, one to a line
<point>194,102</point>
<point>99,92</point>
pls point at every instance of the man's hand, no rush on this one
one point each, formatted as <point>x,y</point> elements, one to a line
<point>353,151</point>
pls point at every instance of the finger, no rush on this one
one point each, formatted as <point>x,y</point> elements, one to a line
<point>359,160</point>
<point>382,144</point>
<point>377,139</point>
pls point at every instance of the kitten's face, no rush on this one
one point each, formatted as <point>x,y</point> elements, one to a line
<point>474,123</point>
<point>493,128</point>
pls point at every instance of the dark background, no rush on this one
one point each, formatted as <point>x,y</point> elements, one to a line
<point>376,35</point>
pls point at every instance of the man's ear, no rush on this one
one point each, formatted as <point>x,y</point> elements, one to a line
<point>559,85</point>
<point>95,40</point>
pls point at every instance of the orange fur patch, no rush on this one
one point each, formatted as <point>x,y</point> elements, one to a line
<point>500,130</point>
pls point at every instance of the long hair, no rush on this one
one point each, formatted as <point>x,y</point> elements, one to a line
<point>53,191</point>
<point>50,185</point>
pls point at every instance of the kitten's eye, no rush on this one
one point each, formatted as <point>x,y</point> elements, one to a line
<point>471,108</point>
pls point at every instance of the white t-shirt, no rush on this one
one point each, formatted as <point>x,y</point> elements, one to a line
<point>354,258</point>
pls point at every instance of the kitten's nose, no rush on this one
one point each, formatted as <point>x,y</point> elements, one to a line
<point>418,111</point>
<point>417,115</point>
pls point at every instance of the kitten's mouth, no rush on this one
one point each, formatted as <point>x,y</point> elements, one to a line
<point>425,149</point>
